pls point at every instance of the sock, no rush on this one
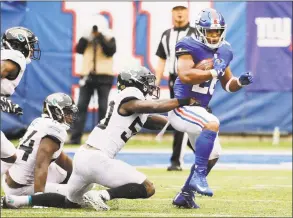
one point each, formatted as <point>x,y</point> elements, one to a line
<point>211,164</point>
<point>20,201</point>
<point>129,191</point>
<point>61,189</point>
<point>5,166</point>
<point>203,147</point>
<point>52,200</point>
<point>185,188</point>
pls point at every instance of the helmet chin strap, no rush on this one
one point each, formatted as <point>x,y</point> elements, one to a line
<point>8,44</point>
<point>50,114</point>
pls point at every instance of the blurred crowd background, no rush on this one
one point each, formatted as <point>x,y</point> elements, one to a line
<point>260,34</point>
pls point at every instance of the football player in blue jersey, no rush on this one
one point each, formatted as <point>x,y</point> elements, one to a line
<point>208,48</point>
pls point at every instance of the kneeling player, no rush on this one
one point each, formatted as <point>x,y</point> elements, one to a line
<point>41,163</point>
<point>95,161</point>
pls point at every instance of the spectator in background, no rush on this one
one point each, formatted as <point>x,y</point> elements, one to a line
<point>166,54</point>
<point>97,49</point>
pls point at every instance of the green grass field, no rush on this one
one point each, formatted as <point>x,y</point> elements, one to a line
<point>233,145</point>
<point>166,143</point>
<point>237,194</point>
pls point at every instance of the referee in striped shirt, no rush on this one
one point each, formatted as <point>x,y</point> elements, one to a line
<point>166,54</point>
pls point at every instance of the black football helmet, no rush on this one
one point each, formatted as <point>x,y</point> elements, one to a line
<point>60,107</point>
<point>141,78</point>
<point>23,40</point>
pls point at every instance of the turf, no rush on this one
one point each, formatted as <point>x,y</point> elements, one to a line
<point>238,193</point>
<point>166,143</point>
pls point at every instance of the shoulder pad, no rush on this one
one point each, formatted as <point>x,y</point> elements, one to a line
<point>132,92</point>
<point>15,56</point>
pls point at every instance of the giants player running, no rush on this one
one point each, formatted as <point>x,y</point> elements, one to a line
<point>40,149</point>
<point>202,127</point>
<point>20,45</point>
<point>95,161</point>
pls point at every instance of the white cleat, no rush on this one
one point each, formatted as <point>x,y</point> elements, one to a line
<point>96,200</point>
<point>8,202</point>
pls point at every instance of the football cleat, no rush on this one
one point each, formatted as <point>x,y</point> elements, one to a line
<point>96,200</point>
<point>198,182</point>
<point>174,167</point>
<point>8,202</point>
<point>185,200</point>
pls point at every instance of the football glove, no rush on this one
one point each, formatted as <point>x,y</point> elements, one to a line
<point>9,107</point>
<point>219,68</point>
<point>245,79</point>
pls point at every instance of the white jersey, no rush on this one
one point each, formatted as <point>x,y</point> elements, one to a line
<point>8,86</point>
<point>118,128</point>
<point>22,171</point>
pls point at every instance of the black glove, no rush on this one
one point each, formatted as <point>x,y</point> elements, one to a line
<point>9,107</point>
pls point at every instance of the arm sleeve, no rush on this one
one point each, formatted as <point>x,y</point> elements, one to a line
<point>55,132</point>
<point>182,48</point>
<point>81,45</point>
<point>133,92</point>
<point>108,46</point>
<point>161,51</point>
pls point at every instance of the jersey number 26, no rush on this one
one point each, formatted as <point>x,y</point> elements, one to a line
<point>205,87</point>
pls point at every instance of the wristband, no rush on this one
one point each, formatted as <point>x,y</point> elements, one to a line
<point>238,82</point>
<point>183,101</point>
<point>214,73</point>
<point>227,87</point>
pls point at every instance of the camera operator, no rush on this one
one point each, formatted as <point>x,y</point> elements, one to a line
<point>97,49</point>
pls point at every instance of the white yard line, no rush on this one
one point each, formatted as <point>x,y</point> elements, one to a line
<point>169,151</point>
<point>232,166</point>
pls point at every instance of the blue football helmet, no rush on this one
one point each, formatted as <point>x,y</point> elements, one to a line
<point>210,19</point>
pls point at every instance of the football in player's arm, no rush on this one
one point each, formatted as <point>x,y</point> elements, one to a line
<point>190,75</point>
<point>202,60</point>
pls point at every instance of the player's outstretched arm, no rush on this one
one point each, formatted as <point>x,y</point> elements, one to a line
<point>188,74</point>
<point>65,163</point>
<point>9,69</point>
<point>47,147</point>
<point>153,106</point>
<point>155,122</point>
<point>233,84</point>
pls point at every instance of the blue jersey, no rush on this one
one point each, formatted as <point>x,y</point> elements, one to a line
<point>202,92</point>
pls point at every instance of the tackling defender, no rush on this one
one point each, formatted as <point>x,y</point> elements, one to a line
<point>202,127</point>
<point>20,45</point>
<point>125,117</point>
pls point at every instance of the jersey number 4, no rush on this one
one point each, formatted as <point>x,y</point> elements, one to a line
<point>205,87</point>
<point>27,149</point>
